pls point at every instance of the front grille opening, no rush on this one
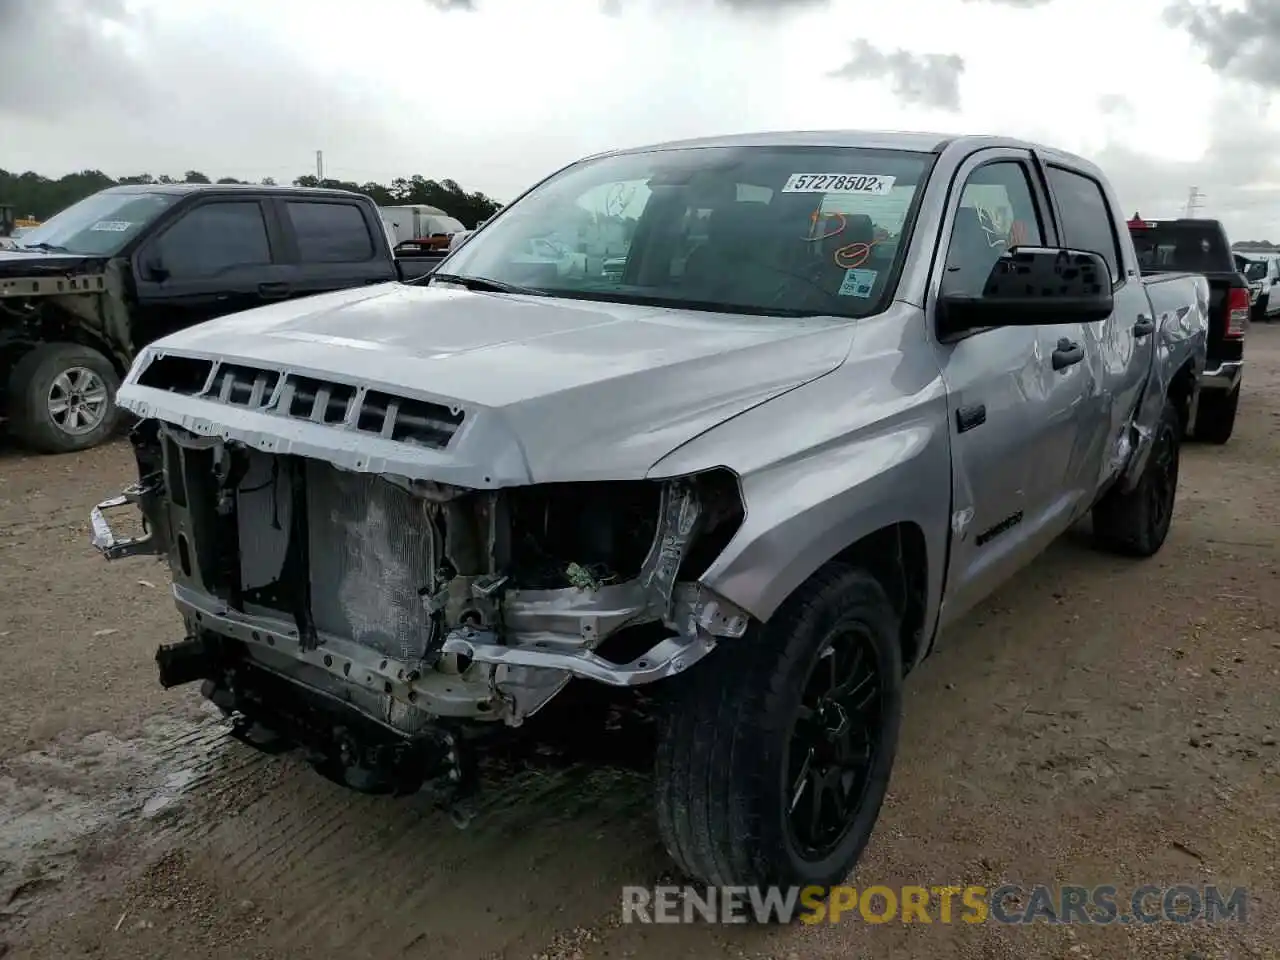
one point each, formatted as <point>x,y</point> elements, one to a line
<point>320,401</point>
<point>408,421</point>
<point>244,386</point>
<point>185,375</point>
<point>373,412</point>
<point>429,424</point>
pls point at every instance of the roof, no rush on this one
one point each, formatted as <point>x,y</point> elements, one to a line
<point>913,141</point>
<point>420,208</point>
<point>182,189</point>
<point>867,139</point>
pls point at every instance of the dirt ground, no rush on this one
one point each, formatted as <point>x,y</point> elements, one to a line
<point>1099,721</point>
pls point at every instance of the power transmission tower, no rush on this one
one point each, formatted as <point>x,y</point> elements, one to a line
<point>1193,201</point>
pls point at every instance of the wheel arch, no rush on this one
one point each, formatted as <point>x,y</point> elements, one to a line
<point>45,321</point>
<point>1181,391</point>
<point>897,555</point>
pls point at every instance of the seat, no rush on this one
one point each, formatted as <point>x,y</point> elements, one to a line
<point>739,235</point>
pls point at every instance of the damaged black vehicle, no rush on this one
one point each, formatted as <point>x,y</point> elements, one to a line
<point>83,292</point>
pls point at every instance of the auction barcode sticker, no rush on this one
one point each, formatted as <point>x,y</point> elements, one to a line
<point>875,184</point>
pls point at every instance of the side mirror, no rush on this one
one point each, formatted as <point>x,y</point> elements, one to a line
<point>1033,286</point>
<point>153,268</point>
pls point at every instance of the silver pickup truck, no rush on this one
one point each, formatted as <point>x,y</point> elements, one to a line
<point>844,385</point>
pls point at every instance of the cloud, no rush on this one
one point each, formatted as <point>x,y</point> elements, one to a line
<point>1243,43</point>
<point>1238,175</point>
<point>615,8</point>
<point>57,53</point>
<point>922,79</point>
<point>449,6</point>
<point>770,6</point>
<point>1024,4</point>
<point>1115,105</point>
<point>107,84</point>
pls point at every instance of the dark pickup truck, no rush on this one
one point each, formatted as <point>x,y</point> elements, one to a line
<point>90,287</point>
<point>1201,246</point>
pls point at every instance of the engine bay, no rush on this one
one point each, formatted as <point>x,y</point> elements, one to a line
<point>415,602</point>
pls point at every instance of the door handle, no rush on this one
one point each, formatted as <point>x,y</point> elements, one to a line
<point>1144,327</point>
<point>273,289</point>
<point>1068,354</point>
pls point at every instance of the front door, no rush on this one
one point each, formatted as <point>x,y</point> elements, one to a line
<point>215,258</point>
<point>1015,392</point>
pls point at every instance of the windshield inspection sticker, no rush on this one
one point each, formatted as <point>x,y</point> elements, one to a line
<point>858,283</point>
<point>868,183</point>
<point>111,226</point>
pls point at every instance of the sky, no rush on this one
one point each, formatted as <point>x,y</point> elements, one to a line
<point>1165,95</point>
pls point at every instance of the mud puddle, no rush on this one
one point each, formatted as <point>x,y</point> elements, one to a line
<point>61,806</point>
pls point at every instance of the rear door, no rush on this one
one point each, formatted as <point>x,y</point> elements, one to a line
<point>217,256</point>
<point>334,243</point>
<point>1014,392</point>
<point>1118,350</point>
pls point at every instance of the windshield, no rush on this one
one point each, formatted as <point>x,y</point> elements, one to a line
<point>775,231</point>
<point>99,225</point>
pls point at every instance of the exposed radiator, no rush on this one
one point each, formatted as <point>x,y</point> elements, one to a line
<point>371,554</point>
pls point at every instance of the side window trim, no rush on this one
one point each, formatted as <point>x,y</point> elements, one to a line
<point>156,242</point>
<point>1122,269</point>
<point>1040,199</point>
<point>1038,202</point>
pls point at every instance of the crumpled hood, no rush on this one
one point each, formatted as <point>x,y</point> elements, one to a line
<point>551,389</point>
<point>40,263</point>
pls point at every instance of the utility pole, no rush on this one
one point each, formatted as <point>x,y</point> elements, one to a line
<point>1193,201</point>
<point>320,165</point>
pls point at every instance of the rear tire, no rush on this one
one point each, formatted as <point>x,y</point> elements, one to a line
<point>62,398</point>
<point>1136,523</point>
<point>750,730</point>
<point>1216,416</point>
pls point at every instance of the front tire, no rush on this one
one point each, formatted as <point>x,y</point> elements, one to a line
<point>774,758</point>
<point>1136,523</point>
<point>1216,416</point>
<point>62,398</point>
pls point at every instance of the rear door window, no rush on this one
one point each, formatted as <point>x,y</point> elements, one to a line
<point>1087,221</point>
<point>330,232</point>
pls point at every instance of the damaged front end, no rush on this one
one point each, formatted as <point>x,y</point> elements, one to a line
<point>381,622</point>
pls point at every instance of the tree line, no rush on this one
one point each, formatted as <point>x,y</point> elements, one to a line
<point>39,197</point>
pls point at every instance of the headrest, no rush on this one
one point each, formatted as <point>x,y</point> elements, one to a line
<point>859,228</point>
<point>967,220</point>
<point>739,225</point>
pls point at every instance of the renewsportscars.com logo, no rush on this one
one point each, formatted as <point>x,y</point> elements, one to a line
<point>1007,904</point>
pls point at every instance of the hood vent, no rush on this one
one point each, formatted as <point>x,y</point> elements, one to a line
<point>339,405</point>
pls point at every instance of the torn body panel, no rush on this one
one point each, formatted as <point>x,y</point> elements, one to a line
<point>1180,333</point>
<point>53,303</point>
<point>425,600</point>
